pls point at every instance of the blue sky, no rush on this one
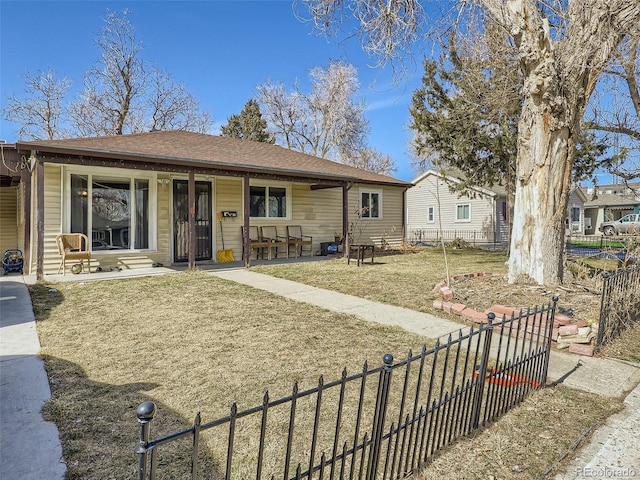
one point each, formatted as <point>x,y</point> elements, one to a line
<point>220,49</point>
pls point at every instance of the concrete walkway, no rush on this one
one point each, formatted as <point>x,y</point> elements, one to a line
<point>29,447</point>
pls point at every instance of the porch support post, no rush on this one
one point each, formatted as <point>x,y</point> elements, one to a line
<point>345,220</point>
<point>246,246</point>
<point>192,219</point>
<point>39,219</point>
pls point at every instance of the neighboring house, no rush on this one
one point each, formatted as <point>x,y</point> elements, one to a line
<point>136,196</point>
<point>609,203</point>
<point>479,215</point>
<point>575,221</point>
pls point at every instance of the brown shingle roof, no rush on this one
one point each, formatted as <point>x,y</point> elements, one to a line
<point>196,149</point>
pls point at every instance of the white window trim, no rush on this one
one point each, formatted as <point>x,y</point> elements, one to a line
<point>431,210</point>
<point>462,220</point>
<point>380,203</point>
<point>116,173</point>
<point>289,192</point>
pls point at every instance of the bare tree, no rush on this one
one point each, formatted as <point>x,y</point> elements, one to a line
<point>124,94</point>
<point>370,159</point>
<point>328,122</point>
<point>42,115</point>
<point>172,107</point>
<point>563,47</point>
<point>111,103</point>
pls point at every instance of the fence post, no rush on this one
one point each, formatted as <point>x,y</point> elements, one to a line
<point>482,373</point>
<point>145,413</point>
<point>604,309</point>
<point>382,399</point>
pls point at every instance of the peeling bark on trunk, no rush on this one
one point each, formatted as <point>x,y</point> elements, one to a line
<point>542,187</point>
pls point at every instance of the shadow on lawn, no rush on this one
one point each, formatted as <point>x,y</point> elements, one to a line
<point>99,430</point>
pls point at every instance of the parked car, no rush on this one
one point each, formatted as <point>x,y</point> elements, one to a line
<point>627,224</point>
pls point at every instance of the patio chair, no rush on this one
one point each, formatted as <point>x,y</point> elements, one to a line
<point>270,235</point>
<point>73,247</point>
<point>255,242</point>
<point>299,241</point>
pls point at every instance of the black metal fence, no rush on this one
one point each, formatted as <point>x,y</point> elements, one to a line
<point>382,422</point>
<point>473,237</point>
<point>620,304</point>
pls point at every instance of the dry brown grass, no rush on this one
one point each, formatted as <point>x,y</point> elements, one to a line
<point>405,280</point>
<point>191,342</point>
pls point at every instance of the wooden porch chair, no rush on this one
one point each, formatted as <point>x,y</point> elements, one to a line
<point>270,235</point>
<point>73,247</point>
<point>299,241</point>
<point>255,242</point>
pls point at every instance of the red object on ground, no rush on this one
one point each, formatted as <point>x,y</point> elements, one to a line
<point>506,379</point>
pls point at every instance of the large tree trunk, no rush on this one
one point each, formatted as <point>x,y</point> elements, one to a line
<point>542,192</point>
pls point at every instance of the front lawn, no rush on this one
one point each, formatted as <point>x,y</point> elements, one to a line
<point>194,343</point>
<point>405,280</point>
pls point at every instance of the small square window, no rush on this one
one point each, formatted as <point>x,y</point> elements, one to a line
<point>463,213</point>
<point>370,204</point>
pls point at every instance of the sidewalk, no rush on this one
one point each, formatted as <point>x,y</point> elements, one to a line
<point>29,447</point>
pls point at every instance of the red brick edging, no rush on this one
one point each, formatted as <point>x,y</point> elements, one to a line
<point>565,331</point>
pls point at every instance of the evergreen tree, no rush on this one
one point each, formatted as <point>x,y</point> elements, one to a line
<point>248,125</point>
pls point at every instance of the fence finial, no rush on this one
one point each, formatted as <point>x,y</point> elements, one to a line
<point>387,359</point>
<point>145,412</point>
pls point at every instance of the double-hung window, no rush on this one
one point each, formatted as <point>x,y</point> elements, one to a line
<point>113,210</point>
<point>431,215</point>
<point>370,204</point>
<point>268,201</point>
<point>463,212</point>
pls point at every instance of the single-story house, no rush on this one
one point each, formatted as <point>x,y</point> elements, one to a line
<point>608,203</point>
<point>155,198</point>
<point>478,215</point>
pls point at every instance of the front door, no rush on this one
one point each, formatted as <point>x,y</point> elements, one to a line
<point>181,221</point>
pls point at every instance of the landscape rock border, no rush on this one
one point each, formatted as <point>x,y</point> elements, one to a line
<point>575,335</point>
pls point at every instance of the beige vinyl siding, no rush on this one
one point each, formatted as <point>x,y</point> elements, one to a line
<point>8,218</point>
<point>419,198</point>
<point>228,197</point>
<point>52,218</point>
<point>21,214</point>
<point>164,230</point>
<point>427,193</point>
<point>387,229</point>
